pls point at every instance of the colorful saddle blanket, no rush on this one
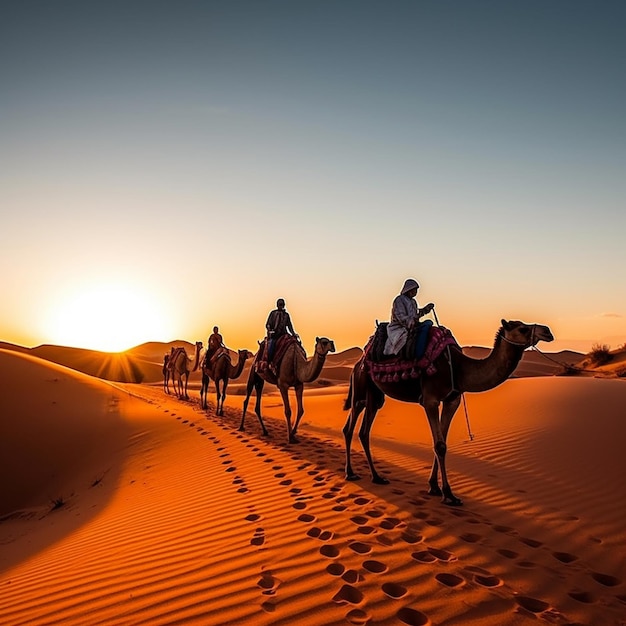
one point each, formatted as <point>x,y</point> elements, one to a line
<point>396,368</point>
<point>281,346</point>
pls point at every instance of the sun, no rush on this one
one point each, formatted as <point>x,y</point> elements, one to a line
<point>107,317</point>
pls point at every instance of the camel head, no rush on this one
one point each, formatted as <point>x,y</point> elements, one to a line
<point>245,354</point>
<point>524,335</point>
<point>323,345</point>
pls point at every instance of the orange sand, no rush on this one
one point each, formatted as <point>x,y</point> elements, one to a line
<point>120,504</point>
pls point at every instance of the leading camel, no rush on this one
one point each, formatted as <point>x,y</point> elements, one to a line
<point>445,387</point>
<point>178,364</point>
<point>293,371</point>
<point>221,371</point>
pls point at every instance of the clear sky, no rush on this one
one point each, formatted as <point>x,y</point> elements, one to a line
<point>166,166</point>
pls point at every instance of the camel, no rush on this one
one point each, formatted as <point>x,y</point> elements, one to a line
<point>451,379</point>
<point>178,364</point>
<point>166,373</point>
<point>294,370</point>
<point>221,371</point>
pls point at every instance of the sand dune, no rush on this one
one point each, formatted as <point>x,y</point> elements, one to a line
<point>127,506</point>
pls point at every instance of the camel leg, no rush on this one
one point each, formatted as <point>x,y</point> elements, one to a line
<point>217,397</point>
<point>254,382</point>
<point>284,392</point>
<point>439,427</point>
<point>223,395</point>
<point>186,385</point>
<point>204,388</point>
<point>348,432</point>
<point>371,408</point>
<point>299,389</point>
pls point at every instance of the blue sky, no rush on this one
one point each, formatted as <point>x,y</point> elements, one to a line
<point>213,156</point>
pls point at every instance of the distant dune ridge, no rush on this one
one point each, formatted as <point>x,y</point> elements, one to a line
<point>120,504</point>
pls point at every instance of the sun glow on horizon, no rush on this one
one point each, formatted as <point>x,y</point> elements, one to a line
<point>107,317</point>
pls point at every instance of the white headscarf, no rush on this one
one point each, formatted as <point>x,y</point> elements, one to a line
<point>409,284</point>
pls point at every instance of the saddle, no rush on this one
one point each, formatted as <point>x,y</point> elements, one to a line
<point>407,364</point>
<point>280,348</point>
<point>410,350</point>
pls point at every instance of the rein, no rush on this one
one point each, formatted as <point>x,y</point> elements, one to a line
<point>467,422</point>
<point>522,345</point>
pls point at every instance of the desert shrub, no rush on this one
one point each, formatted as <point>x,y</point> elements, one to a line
<point>600,354</point>
<point>621,372</point>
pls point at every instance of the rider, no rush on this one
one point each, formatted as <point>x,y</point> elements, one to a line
<point>214,343</point>
<point>278,324</point>
<point>405,314</point>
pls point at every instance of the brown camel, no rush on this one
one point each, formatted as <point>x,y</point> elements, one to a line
<point>178,364</point>
<point>445,387</point>
<point>221,370</point>
<point>166,373</point>
<point>293,371</point>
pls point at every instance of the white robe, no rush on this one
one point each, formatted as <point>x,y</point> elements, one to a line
<point>404,313</point>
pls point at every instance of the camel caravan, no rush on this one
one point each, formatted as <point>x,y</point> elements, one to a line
<point>407,359</point>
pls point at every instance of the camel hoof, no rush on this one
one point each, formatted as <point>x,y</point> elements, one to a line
<point>353,477</point>
<point>435,491</point>
<point>452,501</point>
<point>293,439</point>
<point>379,480</point>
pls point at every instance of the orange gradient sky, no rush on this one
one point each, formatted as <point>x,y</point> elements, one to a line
<point>171,166</point>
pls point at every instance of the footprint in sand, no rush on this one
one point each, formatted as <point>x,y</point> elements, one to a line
<point>305,517</point>
<point>330,551</point>
<point>259,537</point>
<point>352,576</point>
<point>335,569</point>
<point>508,554</point>
<point>564,557</point>
<point>358,616</point>
<point>488,581</point>
<point>348,594</point>
<point>268,583</point>
<point>389,523</point>
<point>384,540</point>
<point>394,590</point>
<point>359,520</point>
<point>430,555</point>
<point>605,579</point>
<point>374,567</point>
<point>413,617</point>
<point>581,596</point>
<point>532,604</point>
<point>450,580</point>
<point>533,543</point>
<point>483,577</point>
<point>299,505</point>
<point>470,537</point>
<point>411,538</point>
<point>503,529</point>
<point>359,547</point>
